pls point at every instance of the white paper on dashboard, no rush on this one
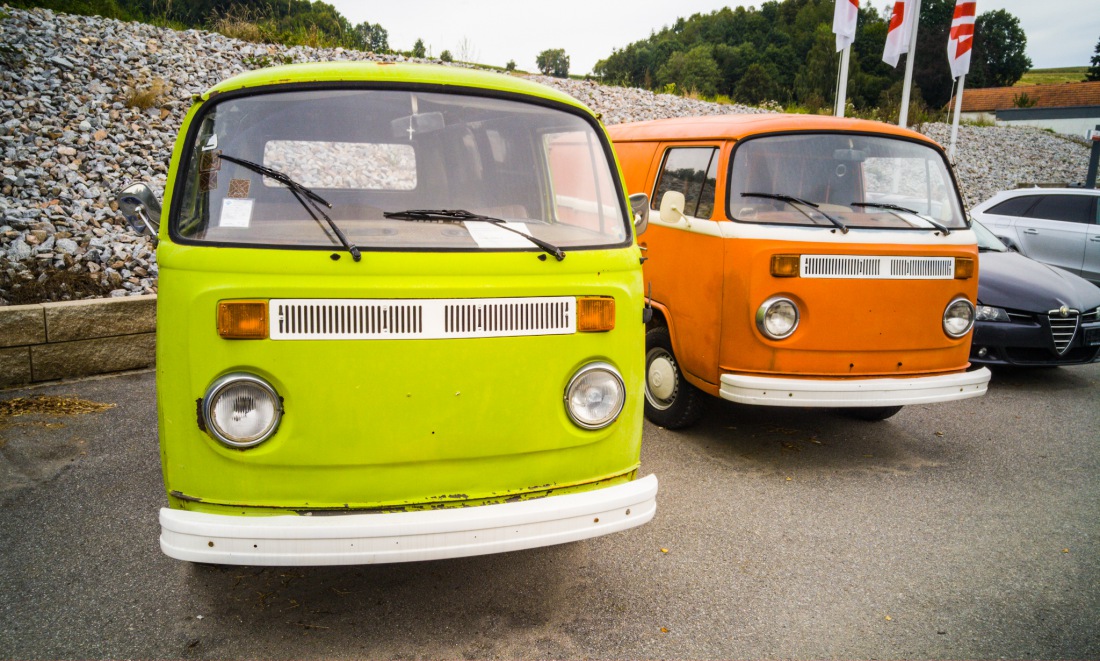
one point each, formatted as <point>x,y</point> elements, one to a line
<point>235,213</point>
<point>488,235</point>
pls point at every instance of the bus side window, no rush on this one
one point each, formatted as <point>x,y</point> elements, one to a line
<point>693,172</point>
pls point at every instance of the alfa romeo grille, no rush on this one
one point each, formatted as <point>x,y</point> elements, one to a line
<point>376,319</point>
<point>872,267</point>
<point>1063,326</point>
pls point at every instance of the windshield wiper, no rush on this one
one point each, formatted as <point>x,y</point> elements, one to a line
<point>463,215</point>
<point>894,207</point>
<point>793,201</point>
<point>304,195</point>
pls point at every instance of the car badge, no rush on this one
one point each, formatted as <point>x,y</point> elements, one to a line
<point>1064,311</point>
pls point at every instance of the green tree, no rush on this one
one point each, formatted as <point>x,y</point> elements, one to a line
<point>1094,70</point>
<point>553,62</point>
<point>373,38</point>
<point>419,50</point>
<point>511,66</point>
<point>816,79</point>
<point>446,56</point>
<point>694,71</point>
<point>757,85</point>
<point>999,58</point>
<point>868,75</point>
<point>931,70</point>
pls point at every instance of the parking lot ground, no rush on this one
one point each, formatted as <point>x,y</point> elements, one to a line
<point>969,529</point>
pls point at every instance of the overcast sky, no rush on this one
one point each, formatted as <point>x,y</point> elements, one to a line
<point>1060,33</point>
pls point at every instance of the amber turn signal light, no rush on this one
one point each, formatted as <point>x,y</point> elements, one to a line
<point>785,266</point>
<point>964,268</point>
<point>242,320</point>
<point>595,314</point>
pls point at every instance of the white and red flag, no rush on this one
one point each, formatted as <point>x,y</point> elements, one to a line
<point>845,15</point>
<point>961,42</point>
<point>902,21</point>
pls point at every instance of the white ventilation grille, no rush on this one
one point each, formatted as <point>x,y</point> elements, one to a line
<point>871,267</point>
<point>363,319</point>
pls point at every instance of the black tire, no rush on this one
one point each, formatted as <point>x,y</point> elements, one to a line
<point>871,413</point>
<point>670,401</point>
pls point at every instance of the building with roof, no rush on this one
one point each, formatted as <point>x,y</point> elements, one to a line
<point>1071,108</point>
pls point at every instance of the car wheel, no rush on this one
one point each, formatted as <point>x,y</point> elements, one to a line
<point>670,401</point>
<point>871,413</point>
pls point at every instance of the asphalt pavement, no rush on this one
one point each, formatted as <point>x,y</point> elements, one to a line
<point>962,530</point>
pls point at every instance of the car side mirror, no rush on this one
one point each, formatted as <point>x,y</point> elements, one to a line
<point>672,208</point>
<point>639,206</point>
<point>140,208</point>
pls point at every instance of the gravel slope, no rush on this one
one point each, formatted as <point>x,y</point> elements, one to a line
<point>68,139</point>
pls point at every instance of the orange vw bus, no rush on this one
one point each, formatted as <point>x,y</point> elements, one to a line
<point>801,261</point>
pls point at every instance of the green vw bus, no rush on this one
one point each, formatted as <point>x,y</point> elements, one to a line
<point>400,318</point>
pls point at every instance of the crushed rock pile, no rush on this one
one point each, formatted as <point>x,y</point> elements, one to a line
<point>70,136</point>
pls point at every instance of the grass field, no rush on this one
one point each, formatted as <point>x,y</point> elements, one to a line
<point>1053,76</point>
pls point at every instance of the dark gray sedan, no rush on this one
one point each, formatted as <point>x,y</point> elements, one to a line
<point>1031,314</point>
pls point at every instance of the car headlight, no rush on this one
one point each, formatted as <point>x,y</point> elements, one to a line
<point>595,396</point>
<point>958,318</point>
<point>241,410</point>
<point>990,313</point>
<point>777,317</point>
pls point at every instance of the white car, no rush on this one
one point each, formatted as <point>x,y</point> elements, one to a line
<point>1056,226</point>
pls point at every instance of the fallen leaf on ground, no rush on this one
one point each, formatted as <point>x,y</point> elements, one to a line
<point>48,405</point>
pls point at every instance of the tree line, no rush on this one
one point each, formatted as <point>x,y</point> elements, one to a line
<point>785,52</point>
<point>290,22</point>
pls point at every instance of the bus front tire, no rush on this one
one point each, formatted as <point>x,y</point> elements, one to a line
<point>670,401</point>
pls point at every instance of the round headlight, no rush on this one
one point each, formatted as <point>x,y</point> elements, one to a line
<point>958,317</point>
<point>241,410</point>
<point>595,396</point>
<point>777,318</point>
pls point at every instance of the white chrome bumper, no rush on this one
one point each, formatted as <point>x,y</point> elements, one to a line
<point>350,539</point>
<point>769,391</point>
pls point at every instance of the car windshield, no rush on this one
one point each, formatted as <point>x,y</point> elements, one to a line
<point>266,170</point>
<point>987,241</point>
<point>859,181</point>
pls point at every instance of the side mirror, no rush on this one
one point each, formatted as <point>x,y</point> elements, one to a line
<point>672,208</point>
<point>140,208</point>
<point>639,206</point>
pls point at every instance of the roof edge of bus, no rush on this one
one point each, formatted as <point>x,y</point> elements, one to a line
<point>735,126</point>
<point>389,72</point>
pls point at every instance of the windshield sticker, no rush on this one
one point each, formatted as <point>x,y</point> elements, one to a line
<point>208,181</point>
<point>235,213</point>
<point>210,161</point>
<point>211,144</point>
<point>239,188</point>
<point>488,235</point>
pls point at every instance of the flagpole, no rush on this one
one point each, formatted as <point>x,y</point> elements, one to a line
<point>903,116</point>
<point>958,113</point>
<point>842,94</point>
